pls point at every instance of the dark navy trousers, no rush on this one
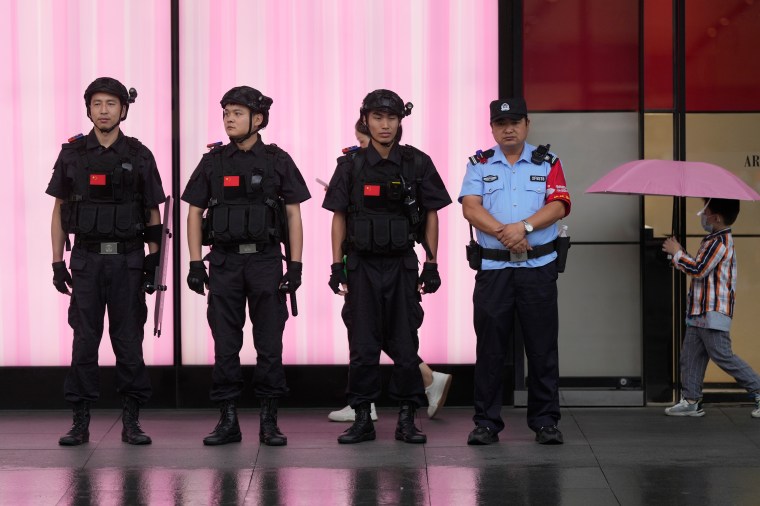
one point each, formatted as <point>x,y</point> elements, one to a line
<point>234,281</point>
<point>531,294</point>
<point>112,283</point>
<point>383,312</point>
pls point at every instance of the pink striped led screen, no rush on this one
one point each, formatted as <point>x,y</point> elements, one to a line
<point>49,52</point>
<point>317,60</point>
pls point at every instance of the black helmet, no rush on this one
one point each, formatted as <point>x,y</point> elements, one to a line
<point>251,98</point>
<point>385,100</point>
<point>112,87</point>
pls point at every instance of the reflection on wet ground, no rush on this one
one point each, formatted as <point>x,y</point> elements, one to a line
<point>627,456</point>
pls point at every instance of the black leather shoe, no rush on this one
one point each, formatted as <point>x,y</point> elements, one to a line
<point>362,429</point>
<point>482,436</point>
<point>549,436</point>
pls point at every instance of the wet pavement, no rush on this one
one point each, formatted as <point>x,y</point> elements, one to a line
<point>626,456</point>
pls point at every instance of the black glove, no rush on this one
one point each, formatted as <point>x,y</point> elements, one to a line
<point>337,277</point>
<point>150,264</point>
<point>61,277</point>
<point>429,278</point>
<point>197,277</point>
<point>291,280</point>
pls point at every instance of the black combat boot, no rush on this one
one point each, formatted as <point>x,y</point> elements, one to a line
<point>269,432</point>
<point>228,428</point>
<point>132,433</point>
<point>362,430</point>
<point>80,429</point>
<point>405,429</point>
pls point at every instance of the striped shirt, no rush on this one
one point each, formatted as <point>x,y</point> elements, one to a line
<point>713,270</point>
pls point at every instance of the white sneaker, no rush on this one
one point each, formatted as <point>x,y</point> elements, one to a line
<point>684,408</point>
<point>437,391</point>
<point>756,412</point>
<point>347,414</point>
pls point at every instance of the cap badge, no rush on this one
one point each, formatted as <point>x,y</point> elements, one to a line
<point>504,107</point>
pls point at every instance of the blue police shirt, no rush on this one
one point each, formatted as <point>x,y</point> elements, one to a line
<point>510,193</point>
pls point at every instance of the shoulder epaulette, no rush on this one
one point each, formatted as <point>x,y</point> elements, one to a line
<point>481,156</point>
<point>349,154</point>
<point>75,142</point>
<point>272,148</point>
<point>541,154</point>
<point>134,145</point>
<point>409,151</point>
<point>214,145</point>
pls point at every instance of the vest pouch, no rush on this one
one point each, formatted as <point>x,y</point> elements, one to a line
<point>86,219</point>
<point>257,223</point>
<point>362,234</point>
<point>105,221</point>
<point>67,215</point>
<point>207,235</point>
<point>236,225</point>
<point>381,235</point>
<point>399,234</point>
<point>219,223</point>
<point>125,227</point>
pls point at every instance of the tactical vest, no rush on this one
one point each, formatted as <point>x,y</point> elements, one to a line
<point>244,205</point>
<point>106,200</point>
<point>384,216</point>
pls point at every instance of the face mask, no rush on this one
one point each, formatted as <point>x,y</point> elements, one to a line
<point>707,227</point>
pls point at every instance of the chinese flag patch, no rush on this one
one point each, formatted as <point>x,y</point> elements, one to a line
<point>97,179</point>
<point>231,180</point>
<point>371,190</point>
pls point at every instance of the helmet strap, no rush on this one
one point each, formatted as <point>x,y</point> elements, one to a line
<point>106,131</point>
<point>251,131</point>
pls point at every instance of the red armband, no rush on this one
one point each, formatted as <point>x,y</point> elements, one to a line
<point>556,188</point>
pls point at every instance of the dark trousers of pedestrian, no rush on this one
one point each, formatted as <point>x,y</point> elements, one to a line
<point>112,283</point>
<point>531,294</point>
<point>384,310</point>
<point>234,281</point>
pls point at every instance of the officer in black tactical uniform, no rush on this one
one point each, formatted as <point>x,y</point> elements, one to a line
<point>107,189</point>
<point>252,193</point>
<point>384,199</point>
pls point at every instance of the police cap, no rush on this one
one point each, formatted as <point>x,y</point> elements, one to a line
<point>509,108</point>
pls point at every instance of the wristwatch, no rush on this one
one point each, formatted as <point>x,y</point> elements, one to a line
<point>528,227</point>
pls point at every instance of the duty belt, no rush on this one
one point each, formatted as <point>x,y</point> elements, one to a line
<point>242,249</point>
<point>504,255</point>
<point>109,247</point>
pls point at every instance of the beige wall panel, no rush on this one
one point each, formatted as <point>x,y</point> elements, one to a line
<point>590,145</point>
<point>600,312</point>
<point>658,145</point>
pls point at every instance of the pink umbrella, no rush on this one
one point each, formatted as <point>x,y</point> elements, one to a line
<point>678,179</point>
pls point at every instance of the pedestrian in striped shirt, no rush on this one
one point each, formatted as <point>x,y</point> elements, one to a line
<point>710,308</point>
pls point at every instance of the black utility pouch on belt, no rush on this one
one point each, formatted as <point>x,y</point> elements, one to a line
<point>474,255</point>
<point>561,245</point>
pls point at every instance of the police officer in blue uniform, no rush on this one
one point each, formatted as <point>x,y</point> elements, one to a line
<point>251,192</point>
<point>107,189</point>
<point>384,198</point>
<point>513,195</point>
